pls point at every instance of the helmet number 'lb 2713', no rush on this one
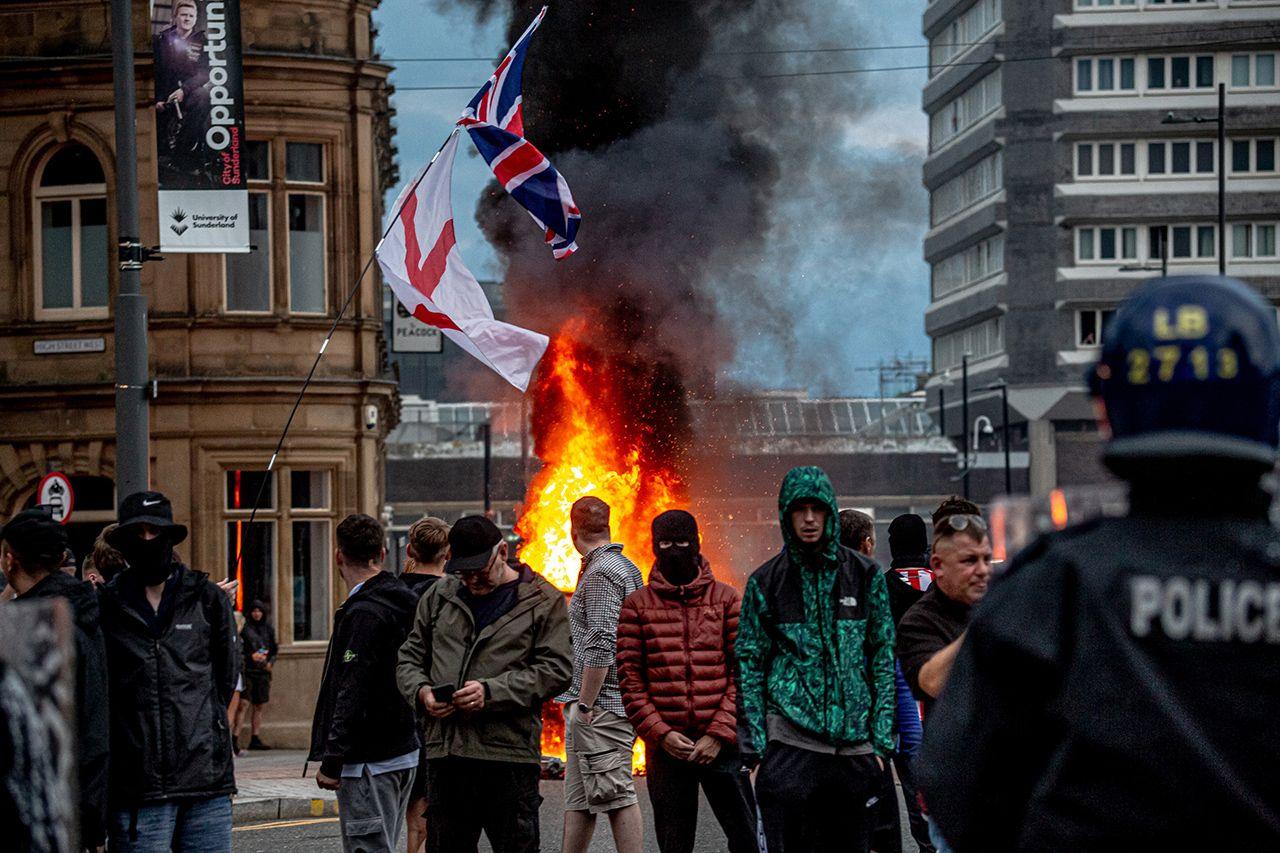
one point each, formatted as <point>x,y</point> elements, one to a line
<point>1224,363</point>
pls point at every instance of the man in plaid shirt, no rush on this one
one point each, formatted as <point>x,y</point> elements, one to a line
<point>598,738</point>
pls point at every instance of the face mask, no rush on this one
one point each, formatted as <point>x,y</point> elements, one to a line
<point>678,565</point>
<point>151,558</point>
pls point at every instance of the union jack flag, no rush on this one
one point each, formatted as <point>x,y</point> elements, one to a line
<point>495,121</point>
<point>499,99</point>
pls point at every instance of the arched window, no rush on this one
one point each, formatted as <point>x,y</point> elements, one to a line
<point>71,252</point>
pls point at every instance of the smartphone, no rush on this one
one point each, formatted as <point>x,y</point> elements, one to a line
<point>443,692</point>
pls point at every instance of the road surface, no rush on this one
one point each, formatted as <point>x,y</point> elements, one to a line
<point>321,834</point>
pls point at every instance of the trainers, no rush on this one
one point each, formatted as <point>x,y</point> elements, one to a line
<point>256,743</point>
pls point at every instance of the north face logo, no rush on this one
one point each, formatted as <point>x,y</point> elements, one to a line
<point>849,601</point>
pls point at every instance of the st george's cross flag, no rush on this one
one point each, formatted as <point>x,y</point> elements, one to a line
<point>420,260</point>
<point>495,120</point>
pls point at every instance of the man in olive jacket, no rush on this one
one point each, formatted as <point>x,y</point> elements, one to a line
<point>489,645</point>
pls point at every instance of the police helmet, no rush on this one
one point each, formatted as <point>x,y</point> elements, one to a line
<point>1190,367</point>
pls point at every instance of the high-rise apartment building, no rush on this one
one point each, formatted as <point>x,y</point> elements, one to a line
<point>1059,180</point>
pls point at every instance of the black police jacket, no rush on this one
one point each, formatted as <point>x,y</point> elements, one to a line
<point>360,714</point>
<point>1117,690</point>
<point>91,699</point>
<point>169,693</point>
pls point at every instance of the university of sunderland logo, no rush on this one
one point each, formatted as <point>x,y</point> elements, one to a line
<point>179,217</point>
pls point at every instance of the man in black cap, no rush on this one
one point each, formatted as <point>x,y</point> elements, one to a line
<point>363,734</point>
<point>32,545</point>
<point>173,663</point>
<point>490,644</point>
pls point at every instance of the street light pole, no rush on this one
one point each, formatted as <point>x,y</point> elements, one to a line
<point>1221,119</point>
<point>133,422</point>
<point>964,418</point>
<point>1222,179</point>
<point>486,436</point>
<point>1164,254</point>
<point>1004,427</point>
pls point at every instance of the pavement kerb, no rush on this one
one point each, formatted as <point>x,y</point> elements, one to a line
<point>255,810</point>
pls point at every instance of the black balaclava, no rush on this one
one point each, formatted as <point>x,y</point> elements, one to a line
<point>152,559</point>
<point>679,565</point>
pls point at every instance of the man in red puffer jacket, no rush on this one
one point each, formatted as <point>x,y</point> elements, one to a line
<point>675,667</point>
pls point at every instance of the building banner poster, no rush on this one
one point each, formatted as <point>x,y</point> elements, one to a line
<point>199,104</point>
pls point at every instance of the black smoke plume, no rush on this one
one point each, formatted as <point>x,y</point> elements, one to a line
<point>694,171</point>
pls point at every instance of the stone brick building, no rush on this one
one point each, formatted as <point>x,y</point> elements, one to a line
<point>231,336</point>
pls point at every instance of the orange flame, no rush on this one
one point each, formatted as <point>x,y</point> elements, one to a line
<point>553,739</point>
<point>588,446</point>
<point>585,450</point>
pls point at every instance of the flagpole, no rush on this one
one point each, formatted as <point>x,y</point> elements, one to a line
<point>297,403</point>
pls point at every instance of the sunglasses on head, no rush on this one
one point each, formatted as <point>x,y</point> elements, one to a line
<point>958,523</point>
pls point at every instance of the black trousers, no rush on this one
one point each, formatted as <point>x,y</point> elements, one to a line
<point>466,796</point>
<point>673,790</point>
<point>915,819</point>
<point>886,826</point>
<point>816,803</point>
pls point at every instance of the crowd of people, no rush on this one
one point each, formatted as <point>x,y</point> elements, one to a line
<point>1111,690</point>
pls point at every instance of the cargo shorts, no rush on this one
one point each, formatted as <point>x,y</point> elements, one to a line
<point>597,773</point>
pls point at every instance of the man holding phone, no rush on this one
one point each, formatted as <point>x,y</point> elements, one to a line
<point>490,644</point>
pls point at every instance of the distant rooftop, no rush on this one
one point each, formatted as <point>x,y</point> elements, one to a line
<point>431,429</point>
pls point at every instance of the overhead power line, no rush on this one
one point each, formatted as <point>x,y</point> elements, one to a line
<point>1116,50</point>
<point>884,69</point>
<point>1128,36</point>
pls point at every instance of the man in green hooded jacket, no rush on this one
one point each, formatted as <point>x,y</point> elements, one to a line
<point>815,654</point>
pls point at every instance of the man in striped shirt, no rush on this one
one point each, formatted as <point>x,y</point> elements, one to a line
<point>598,738</point>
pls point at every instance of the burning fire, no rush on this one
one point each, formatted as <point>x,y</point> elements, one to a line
<point>591,443</point>
<point>587,447</point>
<point>553,738</point>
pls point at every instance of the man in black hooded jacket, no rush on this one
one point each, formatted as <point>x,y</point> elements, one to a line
<point>258,644</point>
<point>32,545</point>
<point>171,652</point>
<point>364,734</point>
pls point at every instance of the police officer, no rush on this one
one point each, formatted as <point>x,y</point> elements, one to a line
<point>1118,688</point>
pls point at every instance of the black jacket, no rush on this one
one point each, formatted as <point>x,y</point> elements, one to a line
<point>91,699</point>
<point>169,694</point>
<point>360,715</point>
<point>255,636</point>
<point>901,594</point>
<point>1116,690</point>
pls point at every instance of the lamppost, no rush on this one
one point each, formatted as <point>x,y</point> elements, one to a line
<point>484,432</point>
<point>981,426</point>
<point>964,418</point>
<point>1221,120</point>
<point>1004,428</point>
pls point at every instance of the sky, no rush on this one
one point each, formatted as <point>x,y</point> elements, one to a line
<point>852,287</point>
